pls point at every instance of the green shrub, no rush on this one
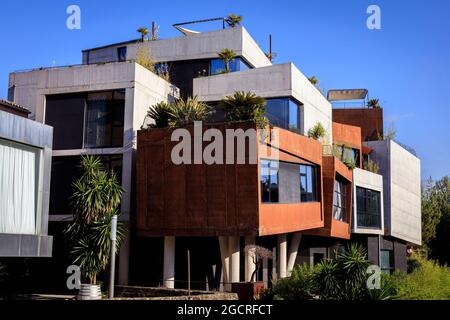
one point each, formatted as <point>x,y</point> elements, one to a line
<point>299,286</point>
<point>428,281</point>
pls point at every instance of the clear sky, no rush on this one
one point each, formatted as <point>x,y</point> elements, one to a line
<point>406,64</point>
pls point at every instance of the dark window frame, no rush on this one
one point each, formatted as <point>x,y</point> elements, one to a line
<point>367,195</point>
<point>313,179</point>
<point>273,197</point>
<point>340,201</point>
<point>387,269</point>
<point>286,123</point>
<point>122,54</point>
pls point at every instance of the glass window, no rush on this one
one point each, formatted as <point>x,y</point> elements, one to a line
<point>66,170</point>
<point>122,53</point>
<point>237,64</point>
<point>368,208</point>
<point>19,176</point>
<point>104,119</point>
<point>269,181</point>
<point>347,153</point>
<point>387,261</point>
<point>308,183</point>
<point>283,113</point>
<point>340,201</point>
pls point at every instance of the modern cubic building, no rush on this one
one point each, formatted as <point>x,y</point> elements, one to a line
<point>303,204</point>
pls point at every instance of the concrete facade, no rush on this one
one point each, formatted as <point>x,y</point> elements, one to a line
<point>142,90</point>
<point>36,135</point>
<point>368,180</point>
<point>204,45</point>
<point>281,80</point>
<point>402,194</point>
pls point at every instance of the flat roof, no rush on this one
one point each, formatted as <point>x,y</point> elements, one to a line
<point>347,94</point>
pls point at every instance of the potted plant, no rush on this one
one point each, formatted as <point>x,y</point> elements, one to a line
<point>96,198</point>
<point>252,289</point>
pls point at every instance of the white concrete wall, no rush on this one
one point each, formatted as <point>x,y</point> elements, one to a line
<point>280,80</point>
<point>204,45</point>
<point>368,180</point>
<point>402,193</point>
<point>142,89</point>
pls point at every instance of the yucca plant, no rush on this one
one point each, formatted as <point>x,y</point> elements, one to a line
<point>233,20</point>
<point>95,200</point>
<point>314,81</point>
<point>185,111</point>
<point>245,106</point>
<point>227,55</point>
<point>373,103</point>
<point>144,32</point>
<point>160,113</point>
<point>317,132</point>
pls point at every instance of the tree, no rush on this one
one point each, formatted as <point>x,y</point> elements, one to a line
<point>440,244</point>
<point>233,20</point>
<point>374,104</point>
<point>185,111</point>
<point>227,55</point>
<point>245,106</point>
<point>144,57</point>
<point>160,113</point>
<point>258,254</point>
<point>144,32</point>
<point>95,200</point>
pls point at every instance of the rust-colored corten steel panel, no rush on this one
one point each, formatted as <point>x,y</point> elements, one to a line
<point>213,200</point>
<point>350,136</point>
<point>369,120</point>
<point>333,168</point>
<point>192,199</point>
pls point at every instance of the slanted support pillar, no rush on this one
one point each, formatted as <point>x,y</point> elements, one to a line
<point>224,256</point>
<point>234,249</point>
<point>293,250</point>
<point>249,265</point>
<point>169,262</point>
<point>282,255</point>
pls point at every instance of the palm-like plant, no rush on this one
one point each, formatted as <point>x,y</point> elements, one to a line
<point>144,32</point>
<point>95,201</point>
<point>160,113</point>
<point>185,111</point>
<point>314,81</point>
<point>373,103</point>
<point>317,132</point>
<point>245,106</point>
<point>227,55</point>
<point>233,20</point>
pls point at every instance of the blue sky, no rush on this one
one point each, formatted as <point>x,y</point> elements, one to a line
<point>406,64</point>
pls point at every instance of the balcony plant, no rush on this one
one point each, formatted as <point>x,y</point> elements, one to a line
<point>160,113</point>
<point>227,55</point>
<point>245,106</point>
<point>317,132</point>
<point>371,166</point>
<point>185,111</point>
<point>373,104</point>
<point>95,200</point>
<point>144,32</point>
<point>233,20</point>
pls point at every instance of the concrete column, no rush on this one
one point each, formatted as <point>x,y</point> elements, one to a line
<point>224,256</point>
<point>266,273</point>
<point>169,262</point>
<point>249,265</point>
<point>234,249</point>
<point>282,254</point>
<point>293,250</point>
<point>124,259</point>
<point>274,264</point>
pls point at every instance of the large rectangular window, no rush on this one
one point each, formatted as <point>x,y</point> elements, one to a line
<point>368,207</point>
<point>86,120</point>
<point>269,181</point>
<point>344,153</point>
<point>237,64</point>
<point>340,201</point>
<point>122,54</point>
<point>387,261</point>
<point>65,171</point>
<point>284,113</point>
<point>308,183</point>
<point>19,178</point>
